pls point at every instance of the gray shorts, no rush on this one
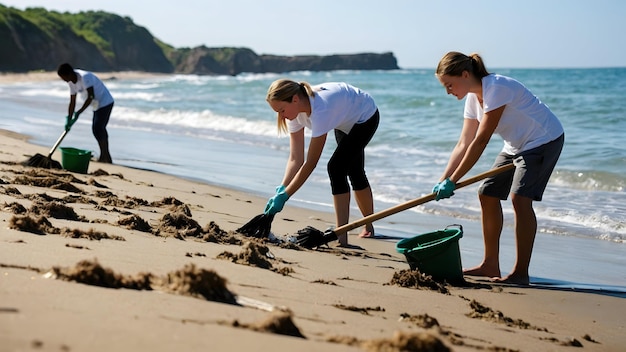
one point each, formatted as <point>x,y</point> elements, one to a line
<point>531,174</point>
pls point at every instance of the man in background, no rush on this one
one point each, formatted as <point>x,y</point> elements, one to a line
<point>96,94</point>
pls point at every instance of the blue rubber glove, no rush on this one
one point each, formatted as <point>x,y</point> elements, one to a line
<point>444,189</point>
<point>280,188</point>
<point>276,203</point>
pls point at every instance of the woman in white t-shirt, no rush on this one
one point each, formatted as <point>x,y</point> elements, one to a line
<point>338,106</point>
<point>533,140</point>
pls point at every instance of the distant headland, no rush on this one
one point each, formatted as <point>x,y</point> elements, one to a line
<point>36,39</point>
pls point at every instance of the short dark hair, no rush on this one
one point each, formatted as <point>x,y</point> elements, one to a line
<point>65,69</point>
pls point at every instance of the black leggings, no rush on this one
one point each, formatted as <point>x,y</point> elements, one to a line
<point>100,121</point>
<point>348,160</point>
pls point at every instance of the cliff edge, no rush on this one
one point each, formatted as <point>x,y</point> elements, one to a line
<point>37,39</point>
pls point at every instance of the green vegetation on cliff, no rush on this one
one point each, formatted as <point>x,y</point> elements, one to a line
<point>38,39</point>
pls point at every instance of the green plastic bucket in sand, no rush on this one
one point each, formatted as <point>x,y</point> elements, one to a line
<point>435,253</point>
<point>76,160</point>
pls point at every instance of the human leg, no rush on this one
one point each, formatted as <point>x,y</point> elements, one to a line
<point>535,167</point>
<point>365,201</point>
<point>491,192</point>
<point>348,161</point>
<point>525,232</point>
<point>98,127</point>
<point>341,203</point>
<point>492,222</point>
<point>358,138</point>
<point>105,155</point>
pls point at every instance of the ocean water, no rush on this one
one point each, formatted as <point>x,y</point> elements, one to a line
<point>220,130</point>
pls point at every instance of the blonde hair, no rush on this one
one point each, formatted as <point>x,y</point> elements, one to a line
<point>284,90</point>
<point>454,63</point>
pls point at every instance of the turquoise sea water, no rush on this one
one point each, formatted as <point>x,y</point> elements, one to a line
<point>220,130</point>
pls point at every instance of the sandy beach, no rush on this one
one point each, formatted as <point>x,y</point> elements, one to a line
<point>127,259</point>
<point>135,260</point>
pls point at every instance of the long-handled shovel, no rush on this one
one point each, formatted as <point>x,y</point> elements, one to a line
<point>310,237</point>
<point>39,160</point>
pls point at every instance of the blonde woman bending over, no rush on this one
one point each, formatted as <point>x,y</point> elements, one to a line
<point>338,106</point>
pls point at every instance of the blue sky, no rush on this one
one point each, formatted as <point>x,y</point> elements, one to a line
<point>508,34</point>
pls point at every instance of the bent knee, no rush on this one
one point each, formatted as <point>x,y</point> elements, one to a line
<point>520,202</point>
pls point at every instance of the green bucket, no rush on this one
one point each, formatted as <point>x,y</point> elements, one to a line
<point>435,253</point>
<point>76,160</point>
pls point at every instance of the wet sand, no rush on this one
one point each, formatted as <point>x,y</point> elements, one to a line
<point>132,260</point>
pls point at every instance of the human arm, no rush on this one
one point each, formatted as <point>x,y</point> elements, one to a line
<point>296,156</point>
<point>90,96</point>
<point>69,121</point>
<point>314,152</point>
<point>475,149</point>
<point>470,127</point>
<point>296,173</point>
<point>72,106</point>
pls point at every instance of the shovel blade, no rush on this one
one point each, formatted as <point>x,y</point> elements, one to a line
<point>39,160</point>
<point>311,237</point>
<point>259,226</point>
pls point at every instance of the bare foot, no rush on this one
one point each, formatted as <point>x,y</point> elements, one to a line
<point>482,270</point>
<point>513,279</point>
<point>366,234</point>
<point>368,231</point>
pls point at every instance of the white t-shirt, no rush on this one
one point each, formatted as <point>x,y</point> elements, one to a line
<point>85,79</point>
<point>336,105</point>
<point>526,122</point>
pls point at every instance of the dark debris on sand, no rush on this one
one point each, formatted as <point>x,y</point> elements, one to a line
<point>90,272</point>
<point>178,225</point>
<point>280,324</point>
<point>93,182</point>
<point>48,179</point>
<point>90,234</point>
<point>252,254</point>
<point>416,279</point>
<point>100,172</point>
<point>56,210</point>
<point>127,202</point>
<point>399,342</point>
<point>196,282</point>
<point>38,225</point>
<point>482,312</point>
<point>15,208</point>
<point>167,201</point>
<point>213,233</point>
<point>424,321</point>
<point>135,222</point>
<point>188,281</point>
<point>362,310</point>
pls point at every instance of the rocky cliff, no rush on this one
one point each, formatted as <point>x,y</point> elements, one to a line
<point>37,39</point>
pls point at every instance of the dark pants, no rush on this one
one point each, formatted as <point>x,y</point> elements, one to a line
<point>98,127</point>
<point>100,121</point>
<point>348,160</point>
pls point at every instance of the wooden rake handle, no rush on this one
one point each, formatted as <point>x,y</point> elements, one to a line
<point>415,202</point>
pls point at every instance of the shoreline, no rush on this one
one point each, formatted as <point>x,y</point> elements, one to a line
<point>42,76</point>
<point>337,299</point>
